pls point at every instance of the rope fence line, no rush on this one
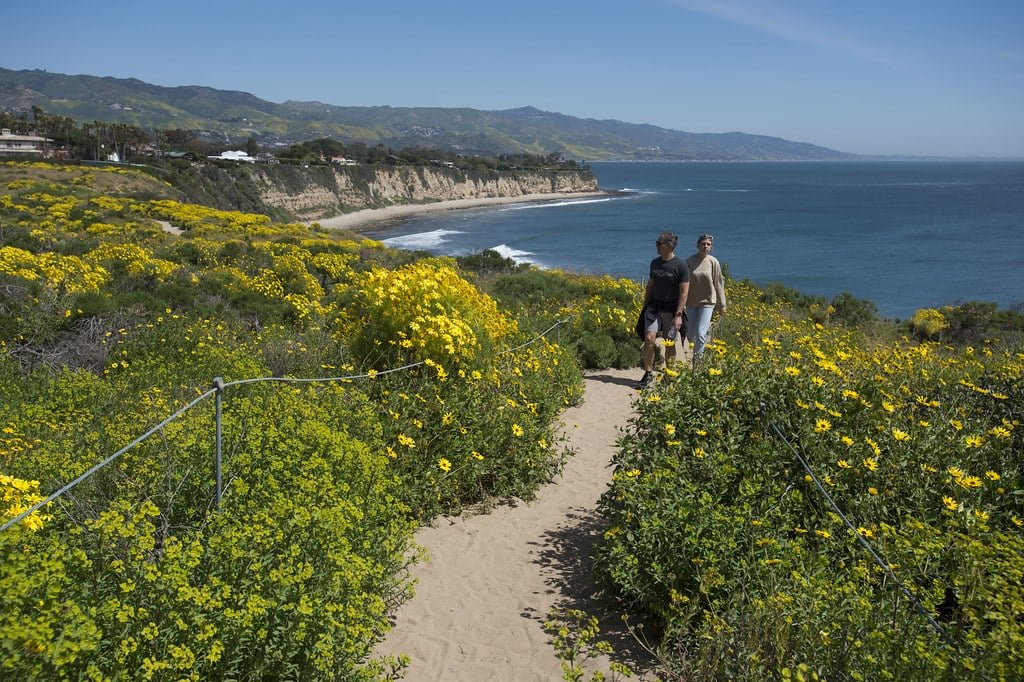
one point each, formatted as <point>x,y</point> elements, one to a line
<point>108,460</point>
<point>935,625</point>
<point>218,392</point>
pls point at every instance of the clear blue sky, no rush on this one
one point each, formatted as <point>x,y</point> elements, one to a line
<point>918,77</point>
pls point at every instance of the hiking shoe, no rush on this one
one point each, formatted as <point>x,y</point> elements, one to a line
<point>646,380</point>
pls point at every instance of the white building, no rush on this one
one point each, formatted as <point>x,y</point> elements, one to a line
<point>21,145</point>
<point>234,156</point>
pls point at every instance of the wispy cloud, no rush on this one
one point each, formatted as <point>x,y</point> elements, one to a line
<point>779,20</point>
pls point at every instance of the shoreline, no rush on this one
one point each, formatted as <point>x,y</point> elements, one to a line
<point>378,218</point>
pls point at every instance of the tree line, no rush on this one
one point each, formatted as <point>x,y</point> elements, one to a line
<point>97,140</point>
<point>324,149</point>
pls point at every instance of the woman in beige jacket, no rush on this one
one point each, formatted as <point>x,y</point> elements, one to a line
<point>706,294</point>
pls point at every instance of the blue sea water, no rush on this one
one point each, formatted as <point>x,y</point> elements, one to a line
<point>903,234</point>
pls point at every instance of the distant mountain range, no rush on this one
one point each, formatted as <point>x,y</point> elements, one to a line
<point>227,115</point>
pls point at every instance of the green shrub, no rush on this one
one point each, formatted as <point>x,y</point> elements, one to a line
<point>720,539</point>
<point>292,577</point>
<point>853,311</point>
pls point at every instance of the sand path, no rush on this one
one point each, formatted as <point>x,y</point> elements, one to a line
<point>492,579</point>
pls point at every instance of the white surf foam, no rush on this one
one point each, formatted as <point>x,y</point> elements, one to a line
<point>421,240</point>
<point>523,257</point>
<point>553,204</point>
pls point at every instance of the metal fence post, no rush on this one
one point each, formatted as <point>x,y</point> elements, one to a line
<point>218,385</point>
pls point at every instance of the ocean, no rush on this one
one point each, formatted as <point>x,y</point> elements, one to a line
<point>903,234</point>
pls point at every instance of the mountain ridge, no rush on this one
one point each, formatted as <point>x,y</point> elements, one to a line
<point>234,116</point>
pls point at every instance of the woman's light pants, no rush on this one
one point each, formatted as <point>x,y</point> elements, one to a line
<point>698,326</point>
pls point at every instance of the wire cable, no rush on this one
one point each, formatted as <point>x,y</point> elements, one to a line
<point>941,631</point>
<point>218,388</point>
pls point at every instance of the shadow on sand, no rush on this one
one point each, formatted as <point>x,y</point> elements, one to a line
<point>566,562</point>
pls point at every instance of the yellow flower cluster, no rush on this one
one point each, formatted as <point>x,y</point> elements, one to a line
<point>428,309</point>
<point>63,274</point>
<point>192,216</point>
<point>929,322</point>
<point>16,496</point>
<point>136,260</point>
<point>901,391</point>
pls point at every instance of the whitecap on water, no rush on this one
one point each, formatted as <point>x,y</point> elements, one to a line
<point>506,251</point>
<point>552,204</point>
<point>421,240</point>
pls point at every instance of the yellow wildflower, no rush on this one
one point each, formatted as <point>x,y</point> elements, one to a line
<point>999,432</point>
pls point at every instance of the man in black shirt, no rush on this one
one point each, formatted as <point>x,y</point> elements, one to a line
<point>664,302</point>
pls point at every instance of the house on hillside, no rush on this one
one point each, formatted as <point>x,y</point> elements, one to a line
<point>24,146</point>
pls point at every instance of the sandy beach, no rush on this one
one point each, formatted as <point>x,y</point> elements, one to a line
<point>492,579</point>
<point>390,214</point>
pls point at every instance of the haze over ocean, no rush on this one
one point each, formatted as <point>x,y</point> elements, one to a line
<point>906,235</point>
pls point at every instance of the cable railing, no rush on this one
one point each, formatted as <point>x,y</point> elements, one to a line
<point>217,391</point>
<point>875,555</point>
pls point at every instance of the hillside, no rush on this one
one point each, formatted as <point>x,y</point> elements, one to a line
<point>235,116</point>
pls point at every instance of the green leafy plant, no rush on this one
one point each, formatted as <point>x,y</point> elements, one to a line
<point>720,538</point>
<point>574,635</point>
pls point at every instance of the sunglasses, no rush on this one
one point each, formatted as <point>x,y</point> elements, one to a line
<point>705,238</point>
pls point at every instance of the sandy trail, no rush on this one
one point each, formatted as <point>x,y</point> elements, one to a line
<point>492,579</point>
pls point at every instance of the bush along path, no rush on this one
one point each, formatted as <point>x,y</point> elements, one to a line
<point>492,580</point>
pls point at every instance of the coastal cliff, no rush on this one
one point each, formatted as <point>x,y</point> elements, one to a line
<point>324,192</point>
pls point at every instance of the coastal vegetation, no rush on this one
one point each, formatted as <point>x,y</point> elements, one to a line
<point>317,179</point>
<point>426,386</point>
<point>110,323</point>
<point>815,502</point>
<point>176,147</point>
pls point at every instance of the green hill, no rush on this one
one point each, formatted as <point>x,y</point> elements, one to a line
<point>227,115</point>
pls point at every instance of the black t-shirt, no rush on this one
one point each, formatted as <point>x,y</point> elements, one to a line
<point>666,276</point>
